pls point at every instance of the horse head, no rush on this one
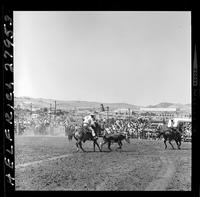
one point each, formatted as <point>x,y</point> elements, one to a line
<point>158,128</point>
<point>161,127</point>
<point>127,136</point>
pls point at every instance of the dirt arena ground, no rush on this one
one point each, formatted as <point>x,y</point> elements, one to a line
<point>52,163</point>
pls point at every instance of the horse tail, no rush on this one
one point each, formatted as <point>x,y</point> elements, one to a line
<point>69,132</point>
<point>70,136</point>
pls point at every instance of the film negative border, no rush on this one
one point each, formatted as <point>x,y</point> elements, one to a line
<point>195,100</point>
<point>8,102</point>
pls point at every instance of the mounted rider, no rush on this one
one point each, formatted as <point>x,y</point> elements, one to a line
<point>172,126</point>
<point>89,122</point>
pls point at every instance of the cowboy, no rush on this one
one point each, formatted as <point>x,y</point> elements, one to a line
<point>172,125</point>
<point>88,122</point>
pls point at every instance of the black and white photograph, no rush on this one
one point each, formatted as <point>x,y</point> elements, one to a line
<point>102,100</point>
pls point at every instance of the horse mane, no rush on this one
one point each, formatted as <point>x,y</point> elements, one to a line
<point>97,128</point>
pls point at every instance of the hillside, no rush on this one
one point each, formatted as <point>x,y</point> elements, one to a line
<point>179,106</point>
<point>25,102</point>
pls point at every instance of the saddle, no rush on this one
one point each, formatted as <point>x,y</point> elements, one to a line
<point>86,130</point>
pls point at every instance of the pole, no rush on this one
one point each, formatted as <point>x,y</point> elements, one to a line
<point>50,113</point>
<point>55,107</point>
<point>31,109</point>
<point>107,114</point>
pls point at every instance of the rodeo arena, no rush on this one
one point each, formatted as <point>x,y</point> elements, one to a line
<point>145,149</point>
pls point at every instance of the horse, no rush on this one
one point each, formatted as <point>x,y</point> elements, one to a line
<point>169,135</point>
<point>115,138</point>
<point>81,134</point>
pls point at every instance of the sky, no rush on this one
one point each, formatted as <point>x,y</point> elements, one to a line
<point>140,58</point>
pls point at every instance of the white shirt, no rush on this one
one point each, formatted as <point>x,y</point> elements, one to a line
<point>88,120</point>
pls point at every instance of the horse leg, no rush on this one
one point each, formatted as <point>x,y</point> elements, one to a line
<point>179,146</point>
<point>94,145</point>
<point>102,144</point>
<point>165,143</point>
<point>97,145</point>
<point>109,143</point>
<point>77,146</point>
<point>80,144</point>
<point>120,145</point>
<point>171,144</point>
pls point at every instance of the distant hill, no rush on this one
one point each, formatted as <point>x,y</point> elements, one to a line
<point>179,106</point>
<point>25,102</point>
<point>160,105</point>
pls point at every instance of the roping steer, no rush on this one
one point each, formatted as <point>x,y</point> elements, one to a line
<point>115,138</point>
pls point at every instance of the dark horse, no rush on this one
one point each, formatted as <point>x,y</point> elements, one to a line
<point>169,134</point>
<point>115,138</point>
<point>82,134</point>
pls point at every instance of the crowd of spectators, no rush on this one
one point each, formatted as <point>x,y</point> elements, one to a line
<point>139,127</point>
<point>142,127</point>
<point>39,124</point>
